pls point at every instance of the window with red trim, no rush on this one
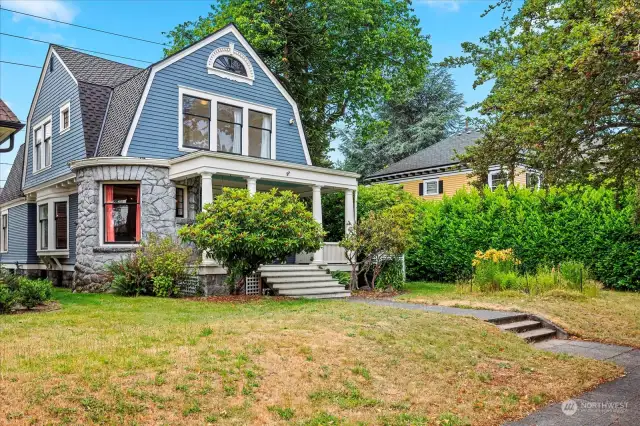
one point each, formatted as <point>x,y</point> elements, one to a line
<point>121,213</point>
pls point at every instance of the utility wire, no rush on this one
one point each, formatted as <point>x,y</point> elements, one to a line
<point>75,48</point>
<point>22,65</point>
<point>82,26</point>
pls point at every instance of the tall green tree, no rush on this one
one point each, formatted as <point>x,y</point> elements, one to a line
<point>566,90</point>
<point>337,58</point>
<point>405,126</point>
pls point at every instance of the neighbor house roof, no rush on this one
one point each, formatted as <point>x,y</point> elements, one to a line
<point>6,115</point>
<point>439,154</point>
<point>9,123</point>
<point>13,187</point>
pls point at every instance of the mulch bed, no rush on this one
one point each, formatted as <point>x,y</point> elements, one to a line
<point>47,307</point>
<point>239,298</point>
<point>368,294</point>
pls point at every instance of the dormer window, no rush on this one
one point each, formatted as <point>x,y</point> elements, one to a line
<point>230,64</point>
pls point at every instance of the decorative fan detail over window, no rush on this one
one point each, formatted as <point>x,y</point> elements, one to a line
<point>227,62</point>
<point>230,64</point>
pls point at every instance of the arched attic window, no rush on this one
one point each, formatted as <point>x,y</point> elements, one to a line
<point>227,62</point>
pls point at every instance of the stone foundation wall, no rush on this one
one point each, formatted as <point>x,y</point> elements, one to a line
<point>157,193</point>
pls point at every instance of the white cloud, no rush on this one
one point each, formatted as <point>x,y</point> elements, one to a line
<point>446,5</point>
<point>53,9</point>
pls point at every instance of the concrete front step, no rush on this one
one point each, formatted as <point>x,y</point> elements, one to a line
<point>322,284</point>
<point>537,335</point>
<point>316,274</point>
<point>521,326</point>
<point>311,292</point>
<point>340,295</point>
<point>272,268</point>
<point>301,279</point>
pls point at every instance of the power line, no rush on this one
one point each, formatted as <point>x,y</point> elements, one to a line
<point>75,48</point>
<point>84,27</point>
<point>22,65</point>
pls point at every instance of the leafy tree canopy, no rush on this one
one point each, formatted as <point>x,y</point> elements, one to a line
<point>403,127</point>
<point>337,58</point>
<point>566,93</point>
<point>243,231</point>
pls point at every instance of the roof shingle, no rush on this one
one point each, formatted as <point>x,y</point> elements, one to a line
<point>13,187</point>
<point>439,154</point>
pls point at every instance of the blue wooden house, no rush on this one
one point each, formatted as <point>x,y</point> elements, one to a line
<point>114,153</point>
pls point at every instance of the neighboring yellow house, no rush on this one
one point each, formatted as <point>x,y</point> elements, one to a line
<point>436,171</point>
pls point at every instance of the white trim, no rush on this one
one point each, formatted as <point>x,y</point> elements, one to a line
<point>3,249</point>
<point>35,266</point>
<point>185,202</point>
<point>116,161</point>
<point>101,213</point>
<point>425,192</point>
<point>60,181</point>
<point>207,40</point>
<point>496,172</point>
<point>230,51</point>
<point>35,101</point>
<point>42,125</point>
<point>15,203</point>
<point>214,99</point>
<point>423,176</point>
<point>65,107</point>
<point>51,249</point>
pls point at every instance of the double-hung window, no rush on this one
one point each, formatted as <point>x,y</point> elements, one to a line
<point>181,194</point>
<point>61,226</point>
<point>121,214</point>
<point>42,145</point>
<point>65,117</point>
<point>496,179</point>
<point>5,232</point>
<point>213,123</point>
<point>43,218</point>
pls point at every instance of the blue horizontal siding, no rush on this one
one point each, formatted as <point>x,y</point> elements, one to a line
<point>156,134</point>
<point>22,235</point>
<point>57,88</point>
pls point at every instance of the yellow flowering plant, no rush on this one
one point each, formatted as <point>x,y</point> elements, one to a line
<point>495,270</point>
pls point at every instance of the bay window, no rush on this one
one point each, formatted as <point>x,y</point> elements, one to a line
<point>61,225</point>
<point>121,213</point>
<point>229,128</point>
<point>42,145</point>
<point>214,123</point>
<point>43,218</point>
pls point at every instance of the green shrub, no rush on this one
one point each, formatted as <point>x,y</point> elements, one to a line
<point>130,275</point>
<point>165,286</point>
<point>574,272</point>
<point>7,299</point>
<point>33,292</point>
<point>543,227</point>
<point>343,277</point>
<point>392,275</point>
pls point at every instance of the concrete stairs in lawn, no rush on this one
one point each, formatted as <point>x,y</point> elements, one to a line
<point>309,281</point>
<point>529,327</point>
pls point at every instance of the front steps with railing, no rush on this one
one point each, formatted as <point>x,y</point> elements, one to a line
<point>310,281</point>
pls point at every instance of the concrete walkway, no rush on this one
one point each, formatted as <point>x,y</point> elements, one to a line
<point>613,403</point>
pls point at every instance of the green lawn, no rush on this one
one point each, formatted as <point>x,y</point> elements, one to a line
<point>612,317</point>
<point>105,359</point>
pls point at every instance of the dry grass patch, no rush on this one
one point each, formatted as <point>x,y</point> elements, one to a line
<point>104,359</point>
<point>612,317</point>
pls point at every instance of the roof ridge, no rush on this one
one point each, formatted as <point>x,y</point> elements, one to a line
<point>57,46</point>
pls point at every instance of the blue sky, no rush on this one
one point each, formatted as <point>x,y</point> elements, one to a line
<point>448,22</point>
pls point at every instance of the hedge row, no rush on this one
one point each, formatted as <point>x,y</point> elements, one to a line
<point>543,228</point>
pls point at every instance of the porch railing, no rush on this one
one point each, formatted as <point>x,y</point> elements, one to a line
<point>333,254</point>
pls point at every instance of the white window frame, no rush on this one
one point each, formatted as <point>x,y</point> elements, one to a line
<point>231,51</point>
<point>43,161</point>
<point>185,198</point>
<point>3,248</point>
<point>65,107</point>
<point>425,192</point>
<point>213,129</point>
<point>538,174</point>
<point>101,213</point>
<point>51,231</point>
<point>495,172</point>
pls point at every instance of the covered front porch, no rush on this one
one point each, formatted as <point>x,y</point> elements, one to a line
<point>204,174</point>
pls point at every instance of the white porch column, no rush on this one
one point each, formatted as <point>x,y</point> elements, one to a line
<point>252,185</point>
<point>318,257</point>
<point>206,186</point>
<point>349,212</point>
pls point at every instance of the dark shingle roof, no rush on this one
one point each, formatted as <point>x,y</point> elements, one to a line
<point>93,105</point>
<point>94,70</point>
<point>13,187</point>
<point>109,94</point>
<point>439,154</point>
<point>122,108</point>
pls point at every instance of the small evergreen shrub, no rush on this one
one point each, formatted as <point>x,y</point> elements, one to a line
<point>392,276</point>
<point>343,277</point>
<point>164,286</point>
<point>33,292</point>
<point>7,299</point>
<point>130,276</point>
